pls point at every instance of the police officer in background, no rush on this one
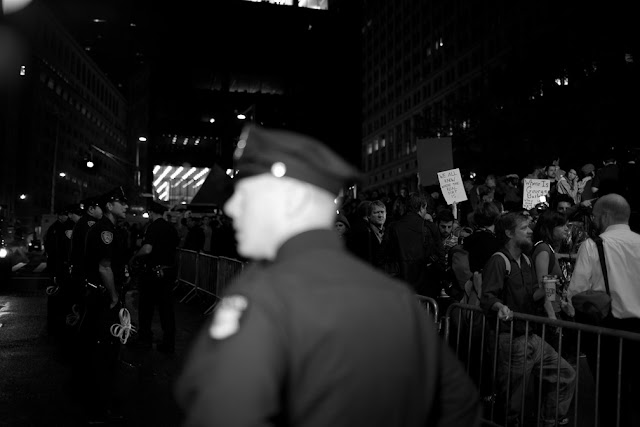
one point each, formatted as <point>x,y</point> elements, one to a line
<point>92,212</point>
<point>54,245</point>
<point>104,267</point>
<point>310,335</point>
<point>63,278</point>
<point>158,253</point>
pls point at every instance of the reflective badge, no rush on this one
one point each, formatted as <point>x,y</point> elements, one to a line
<point>226,319</point>
<point>90,223</point>
<point>107,237</point>
<point>68,233</point>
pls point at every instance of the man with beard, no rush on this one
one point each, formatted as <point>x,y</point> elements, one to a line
<point>515,288</point>
<point>621,248</point>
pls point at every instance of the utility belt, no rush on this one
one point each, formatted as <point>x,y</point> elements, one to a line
<point>160,271</point>
<point>94,287</point>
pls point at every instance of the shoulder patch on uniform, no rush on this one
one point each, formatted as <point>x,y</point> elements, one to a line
<point>107,237</point>
<point>226,318</point>
<point>90,223</point>
<point>68,233</point>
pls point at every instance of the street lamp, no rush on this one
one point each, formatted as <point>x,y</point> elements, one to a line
<point>23,196</point>
<point>62,174</point>
<point>137,177</point>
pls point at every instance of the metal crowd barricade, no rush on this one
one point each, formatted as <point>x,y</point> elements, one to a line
<point>475,342</point>
<point>206,274</point>
<point>187,262</point>
<point>431,306</point>
<point>227,270</point>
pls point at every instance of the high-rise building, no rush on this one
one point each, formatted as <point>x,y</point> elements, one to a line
<point>511,83</point>
<point>65,134</point>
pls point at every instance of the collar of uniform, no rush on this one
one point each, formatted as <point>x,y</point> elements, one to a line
<point>308,241</point>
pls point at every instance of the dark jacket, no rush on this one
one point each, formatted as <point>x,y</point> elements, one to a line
<point>416,247</point>
<point>515,290</point>
<point>311,339</point>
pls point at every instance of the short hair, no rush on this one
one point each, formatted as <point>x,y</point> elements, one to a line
<point>545,224</point>
<point>508,222</point>
<point>375,204</point>
<point>564,198</point>
<point>486,214</point>
<point>415,202</point>
<point>445,215</point>
<point>484,190</point>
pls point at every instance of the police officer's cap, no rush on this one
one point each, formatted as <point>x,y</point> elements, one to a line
<point>90,202</point>
<point>155,207</point>
<point>117,194</point>
<point>285,153</point>
<point>63,210</point>
<point>75,208</point>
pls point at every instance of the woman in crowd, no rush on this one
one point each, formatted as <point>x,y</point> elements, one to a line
<point>550,231</point>
<point>342,227</point>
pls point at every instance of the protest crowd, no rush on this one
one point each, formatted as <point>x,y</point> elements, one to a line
<point>508,245</point>
<point>545,225</point>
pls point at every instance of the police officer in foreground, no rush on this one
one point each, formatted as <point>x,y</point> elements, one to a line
<point>158,253</point>
<point>104,268</point>
<point>312,336</point>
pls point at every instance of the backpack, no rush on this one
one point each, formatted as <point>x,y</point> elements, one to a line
<point>473,285</point>
<point>458,271</point>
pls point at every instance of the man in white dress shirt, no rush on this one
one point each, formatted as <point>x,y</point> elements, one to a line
<point>622,257</point>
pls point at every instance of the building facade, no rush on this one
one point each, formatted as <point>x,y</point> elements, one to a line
<point>65,116</point>
<point>511,84</point>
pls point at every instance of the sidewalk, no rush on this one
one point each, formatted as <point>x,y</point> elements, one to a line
<point>148,376</point>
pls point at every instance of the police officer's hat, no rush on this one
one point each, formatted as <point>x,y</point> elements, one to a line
<point>75,208</point>
<point>63,210</point>
<point>155,207</point>
<point>90,202</point>
<point>285,153</point>
<point>117,194</point>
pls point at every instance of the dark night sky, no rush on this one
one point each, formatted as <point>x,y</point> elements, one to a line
<point>300,47</point>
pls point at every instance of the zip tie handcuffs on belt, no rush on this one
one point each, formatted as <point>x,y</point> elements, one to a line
<point>52,290</point>
<point>74,317</point>
<point>123,329</point>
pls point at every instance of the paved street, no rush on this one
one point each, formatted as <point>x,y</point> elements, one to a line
<point>34,371</point>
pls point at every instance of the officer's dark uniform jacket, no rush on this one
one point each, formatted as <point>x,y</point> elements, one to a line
<point>102,244</point>
<point>163,237</point>
<point>78,240</point>
<point>413,244</point>
<point>65,247</point>
<point>54,247</point>
<point>324,340</point>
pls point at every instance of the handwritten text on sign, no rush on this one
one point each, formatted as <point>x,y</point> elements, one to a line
<point>451,186</point>
<point>533,190</point>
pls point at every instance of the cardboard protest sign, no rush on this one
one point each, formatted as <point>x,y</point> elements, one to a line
<point>451,186</point>
<point>434,155</point>
<point>533,190</point>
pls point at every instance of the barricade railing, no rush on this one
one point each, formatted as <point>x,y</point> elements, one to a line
<point>431,306</point>
<point>500,357</point>
<point>187,263</point>
<point>206,274</point>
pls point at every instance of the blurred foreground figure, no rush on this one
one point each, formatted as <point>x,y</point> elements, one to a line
<point>310,335</point>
